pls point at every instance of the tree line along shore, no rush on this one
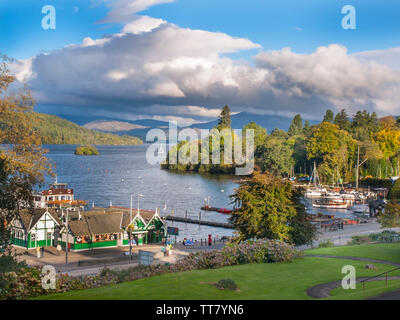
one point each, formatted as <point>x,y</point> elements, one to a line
<point>55,130</point>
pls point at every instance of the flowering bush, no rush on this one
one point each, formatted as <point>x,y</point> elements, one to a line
<point>27,282</point>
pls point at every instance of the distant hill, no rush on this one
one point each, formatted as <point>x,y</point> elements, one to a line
<point>55,130</point>
<point>139,128</point>
<point>112,126</point>
<point>239,120</point>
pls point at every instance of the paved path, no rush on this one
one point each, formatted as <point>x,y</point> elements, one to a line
<point>93,261</point>
<point>393,295</point>
<point>323,290</point>
<point>342,237</point>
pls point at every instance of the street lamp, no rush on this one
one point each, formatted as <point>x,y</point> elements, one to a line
<point>138,201</point>
<point>130,233</point>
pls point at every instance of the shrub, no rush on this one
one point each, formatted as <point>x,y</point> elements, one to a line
<point>376,183</point>
<point>226,284</point>
<point>358,240</point>
<point>26,282</point>
<point>86,151</point>
<point>326,244</point>
<point>394,192</point>
<point>386,236</point>
<point>8,264</point>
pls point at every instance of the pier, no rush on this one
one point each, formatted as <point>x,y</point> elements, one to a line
<point>200,222</point>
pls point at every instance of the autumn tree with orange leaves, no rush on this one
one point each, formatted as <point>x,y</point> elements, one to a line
<point>23,164</point>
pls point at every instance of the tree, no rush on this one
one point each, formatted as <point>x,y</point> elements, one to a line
<point>328,116</point>
<point>276,157</point>
<point>23,164</point>
<point>268,208</point>
<point>324,140</point>
<point>260,133</point>
<point>387,122</point>
<point>224,118</point>
<point>296,127</point>
<point>342,120</point>
<point>303,231</point>
<point>390,218</point>
<point>394,192</point>
<point>307,128</point>
<point>364,124</point>
<point>388,142</point>
<point>334,149</point>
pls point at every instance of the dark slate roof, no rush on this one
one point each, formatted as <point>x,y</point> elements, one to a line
<point>79,228</point>
<point>106,220</point>
<point>96,222</point>
<point>105,223</point>
<point>30,217</point>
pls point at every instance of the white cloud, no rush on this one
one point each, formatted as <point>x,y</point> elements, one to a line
<point>142,24</point>
<point>333,75</point>
<point>123,10</point>
<point>389,57</point>
<point>168,89</point>
<point>22,69</point>
<point>157,69</point>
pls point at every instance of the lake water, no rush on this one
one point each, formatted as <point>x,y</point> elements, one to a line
<point>120,171</point>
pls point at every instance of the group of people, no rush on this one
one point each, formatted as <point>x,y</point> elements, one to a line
<point>167,249</point>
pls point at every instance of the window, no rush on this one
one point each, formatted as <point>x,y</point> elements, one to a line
<point>33,237</point>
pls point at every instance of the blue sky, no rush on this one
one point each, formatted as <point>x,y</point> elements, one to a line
<point>302,25</point>
<point>185,59</point>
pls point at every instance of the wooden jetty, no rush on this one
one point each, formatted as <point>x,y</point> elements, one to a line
<point>200,222</point>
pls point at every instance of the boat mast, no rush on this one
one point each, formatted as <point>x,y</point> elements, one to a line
<point>358,166</point>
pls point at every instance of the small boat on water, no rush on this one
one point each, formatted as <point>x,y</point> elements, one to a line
<point>224,210</point>
<point>315,193</point>
<point>327,203</point>
<point>360,208</point>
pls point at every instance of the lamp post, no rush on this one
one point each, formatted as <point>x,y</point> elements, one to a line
<point>66,242</point>
<point>129,228</point>
<point>138,201</point>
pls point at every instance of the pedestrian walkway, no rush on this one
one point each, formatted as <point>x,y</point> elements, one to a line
<point>323,290</point>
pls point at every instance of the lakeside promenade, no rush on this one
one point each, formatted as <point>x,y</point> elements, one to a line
<point>92,262</point>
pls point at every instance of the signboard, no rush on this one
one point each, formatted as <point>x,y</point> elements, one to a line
<point>173,231</point>
<point>145,257</point>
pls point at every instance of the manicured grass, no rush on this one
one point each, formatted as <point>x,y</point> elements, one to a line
<point>381,251</point>
<point>372,289</point>
<point>255,281</point>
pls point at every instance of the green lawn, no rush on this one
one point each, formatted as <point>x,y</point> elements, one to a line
<point>382,251</point>
<point>256,281</point>
<point>372,289</point>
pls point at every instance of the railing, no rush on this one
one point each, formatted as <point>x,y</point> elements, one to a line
<point>377,276</point>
